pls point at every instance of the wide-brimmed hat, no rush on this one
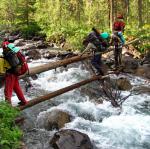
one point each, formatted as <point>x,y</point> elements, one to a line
<point>12,47</point>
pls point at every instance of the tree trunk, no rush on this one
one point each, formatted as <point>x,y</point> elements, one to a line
<point>140,13</point>
<point>59,92</point>
<point>53,65</point>
<point>111,14</point>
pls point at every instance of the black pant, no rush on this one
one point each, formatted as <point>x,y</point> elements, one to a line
<point>117,55</point>
<point>96,62</point>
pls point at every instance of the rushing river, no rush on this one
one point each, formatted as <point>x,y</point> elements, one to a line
<point>107,127</point>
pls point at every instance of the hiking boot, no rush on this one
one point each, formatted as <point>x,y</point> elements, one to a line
<point>22,103</point>
<point>97,73</point>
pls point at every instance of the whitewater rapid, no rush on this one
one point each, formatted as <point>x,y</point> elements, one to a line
<point>107,127</point>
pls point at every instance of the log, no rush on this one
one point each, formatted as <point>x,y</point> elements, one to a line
<point>59,92</point>
<point>133,41</point>
<point>54,65</point>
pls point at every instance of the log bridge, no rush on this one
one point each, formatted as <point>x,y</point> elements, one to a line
<point>50,66</point>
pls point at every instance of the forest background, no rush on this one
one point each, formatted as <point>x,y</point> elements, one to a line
<point>73,19</point>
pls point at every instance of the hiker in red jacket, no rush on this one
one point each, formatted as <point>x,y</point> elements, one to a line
<point>12,74</point>
<point>118,39</point>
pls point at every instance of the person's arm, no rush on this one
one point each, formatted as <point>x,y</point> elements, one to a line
<point>89,47</point>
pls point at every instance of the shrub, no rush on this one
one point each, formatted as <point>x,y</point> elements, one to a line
<point>10,134</point>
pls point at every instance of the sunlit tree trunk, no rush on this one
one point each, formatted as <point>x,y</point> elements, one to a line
<point>140,13</point>
<point>27,12</point>
<point>112,14</point>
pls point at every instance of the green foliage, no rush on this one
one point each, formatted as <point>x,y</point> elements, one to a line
<point>142,33</point>
<point>10,134</point>
<point>30,30</point>
<point>73,19</point>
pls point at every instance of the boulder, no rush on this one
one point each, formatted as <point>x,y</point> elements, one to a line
<point>130,50</point>
<point>143,71</point>
<point>49,55</point>
<point>146,59</point>
<point>120,83</point>
<point>123,84</point>
<point>55,119</point>
<point>41,45</point>
<point>19,42</point>
<point>129,64</point>
<point>142,90</point>
<point>33,54</point>
<point>70,139</point>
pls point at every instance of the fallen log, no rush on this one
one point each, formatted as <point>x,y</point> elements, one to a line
<point>59,92</point>
<point>53,65</point>
<point>132,41</point>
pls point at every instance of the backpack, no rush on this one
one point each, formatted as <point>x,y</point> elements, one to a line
<point>22,68</point>
<point>4,65</point>
<point>92,38</point>
<point>16,60</point>
<point>11,57</point>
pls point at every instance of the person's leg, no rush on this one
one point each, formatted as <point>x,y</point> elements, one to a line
<point>96,62</point>
<point>116,56</point>
<point>9,84</point>
<point>120,56</point>
<point>19,92</point>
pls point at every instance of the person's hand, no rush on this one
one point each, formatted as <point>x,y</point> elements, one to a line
<point>81,54</point>
<point>111,47</point>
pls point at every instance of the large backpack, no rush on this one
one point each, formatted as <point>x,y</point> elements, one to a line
<point>16,59</point>
<point>4,66</point>
<point>92,38</point>
<point>23,67</point>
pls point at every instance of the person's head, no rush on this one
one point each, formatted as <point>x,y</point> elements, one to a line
<point>95,30</point>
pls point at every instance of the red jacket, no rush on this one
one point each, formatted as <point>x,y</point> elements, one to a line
<point>119,26</point>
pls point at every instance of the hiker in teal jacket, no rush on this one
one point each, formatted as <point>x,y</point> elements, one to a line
<point>96,42</point>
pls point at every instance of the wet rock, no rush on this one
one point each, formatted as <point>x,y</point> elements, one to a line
<point>39,37</point>
<point>146,59</point>
<point>19,42</point>
<point>28,47</point>
<point>48,55</point>
<point>143,71</point>
<point>130,50</point>
<point>66,54</point>
<point>123,84</point>
<point>41,45</point>
<point>33,54</point>
<point>70,139</point>
<point>92,90</point>
<point>120,83</point>
<point>55,119</point>
<point>142,90</point>
<point>130,64</point>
